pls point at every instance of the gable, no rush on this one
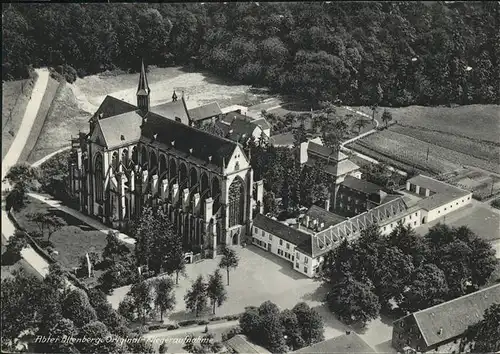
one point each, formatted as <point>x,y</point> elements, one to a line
<point>112,106</point>
<point>97,136</point>
<point>237,159</point>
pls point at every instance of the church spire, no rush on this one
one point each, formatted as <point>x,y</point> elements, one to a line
<point>143,90</point>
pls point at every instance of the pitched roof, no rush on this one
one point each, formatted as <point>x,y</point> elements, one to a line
<point>206,111</point>
<point>240,344</point>
<point>263,123</point>
<point>172,110</point>
<point>452,318</point>
<point>241,130</point>
<point>323,216</point>
<point>143,87</point>
<point>346,343</point>
<point>284,139</point>
<point>112,106</point>
<point>325,152</point>
<point>185,138</point>
<point>444,192</point>
<point>121,129</point>
<point>337,169</point>
<point>361,185</point>
<point>281,230</point>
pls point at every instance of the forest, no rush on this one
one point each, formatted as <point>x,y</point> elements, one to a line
<point>358,53</point>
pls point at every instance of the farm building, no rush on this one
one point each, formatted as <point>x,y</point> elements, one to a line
<point>350,342</point>
<point>436,198</point>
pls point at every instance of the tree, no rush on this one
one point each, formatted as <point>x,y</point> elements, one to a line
<point>114,250</point>
<point>229,260</point>
<point>250,322</point>
<point>21,305</point>
<point>62,328</point>
<point>16,198</point>
<point>175,260</point>
<point>94,258</point>
<point>215,290</point>
<point>105,312</point>
<point>15,245</point>
<point>127,309</point>
<point>310,323</point>
<point>99,343</point>
<point>270,204</point>
<point>142,298</point>
<point>353,301</point>
<point>291,330</point>
<point>47,221</point>
<point>76,307</point>
<point>163,348</point>
<point>196,297</point>
<point>484,336</point>
<point>271,330</point>
<point>386,117</point>
<point>21,173</point>
<point>428,287</point>
<point>360,124</point>
<point>164,295</point>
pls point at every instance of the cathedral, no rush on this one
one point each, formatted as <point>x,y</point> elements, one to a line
<point>134,156</point>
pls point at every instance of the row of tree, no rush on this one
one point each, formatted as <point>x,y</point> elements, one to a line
<point>361,53</point>
<point>405,271</point>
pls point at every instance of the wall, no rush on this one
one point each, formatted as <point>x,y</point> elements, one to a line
<point>278,245</point>
<point>448,208</point>
<point>412,219</point>
<point>305,264</point>
<point>405,333</point>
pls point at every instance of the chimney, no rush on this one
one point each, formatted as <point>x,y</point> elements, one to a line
<point>347,332</point>
<point>307,220</point>
<point>440,331</point>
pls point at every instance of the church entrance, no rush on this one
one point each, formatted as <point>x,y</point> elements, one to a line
<point>236,237</point>
<point>424,220</point>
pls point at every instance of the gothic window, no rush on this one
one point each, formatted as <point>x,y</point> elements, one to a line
<point>98,178</point>
<point>144,157</point>
<point>114,161</point>
<point>125,157</point>
<point>236,200</point>
<point>135,158</point>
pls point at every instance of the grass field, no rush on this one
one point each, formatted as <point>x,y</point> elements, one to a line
<point>454,136</point>
<point>72,241</point>
<point>15,97</point>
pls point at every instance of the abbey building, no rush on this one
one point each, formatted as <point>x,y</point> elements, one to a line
<point>140,155</point>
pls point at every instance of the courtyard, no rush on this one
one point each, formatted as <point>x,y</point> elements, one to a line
<point>479,217</point>
<point>262,276</point>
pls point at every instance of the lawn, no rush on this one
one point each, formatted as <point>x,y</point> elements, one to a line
<point>72,241</point>
<point>64,120</point>
<point>15,97</point>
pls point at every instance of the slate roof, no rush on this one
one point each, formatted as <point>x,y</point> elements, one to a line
<point>346,343</point>
<point>172,110</point>
<point>264,124</point>
<point>206,111</point>
<point>121,129</point>
<point>112,106</point>
<point>285,232</point>
<point>240,344</point>
<point>452,318</point>
<point>323,215</point>
<point>203,144</point>
<point>325,152</point>
<point>444,192</point>
<point>241,130</point>
<point>361,185</point>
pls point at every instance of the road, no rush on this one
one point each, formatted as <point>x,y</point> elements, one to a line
<point>12,157</point>
<point>29,117</point>
<point>181,332</point>
<point>45,158</point>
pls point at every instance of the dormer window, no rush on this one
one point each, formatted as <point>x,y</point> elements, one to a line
<point>210,158</point>
<point>191,150</point>
<point>122,137</point>
<point>173,142</point>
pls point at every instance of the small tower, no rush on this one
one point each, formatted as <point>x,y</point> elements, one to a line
<point>143,91</point>
<point>174,97</point>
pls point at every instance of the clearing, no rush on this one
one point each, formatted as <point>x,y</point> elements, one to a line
<point>454,137</point>
<point>75,103</point>
<point>15,97</point>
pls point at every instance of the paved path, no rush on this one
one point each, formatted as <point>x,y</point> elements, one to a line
<point>80,216</point>
<point>29,117</point>
<point>184,331</point>
<point>43,159</point>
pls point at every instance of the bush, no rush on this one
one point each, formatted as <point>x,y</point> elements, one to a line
<point>216,318</point>
<point>168,327</point>
<point>171,327</point>
<point>232,317</point>
<point>187,323</point>
<point>203,322</point>
<point>496,203</point>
